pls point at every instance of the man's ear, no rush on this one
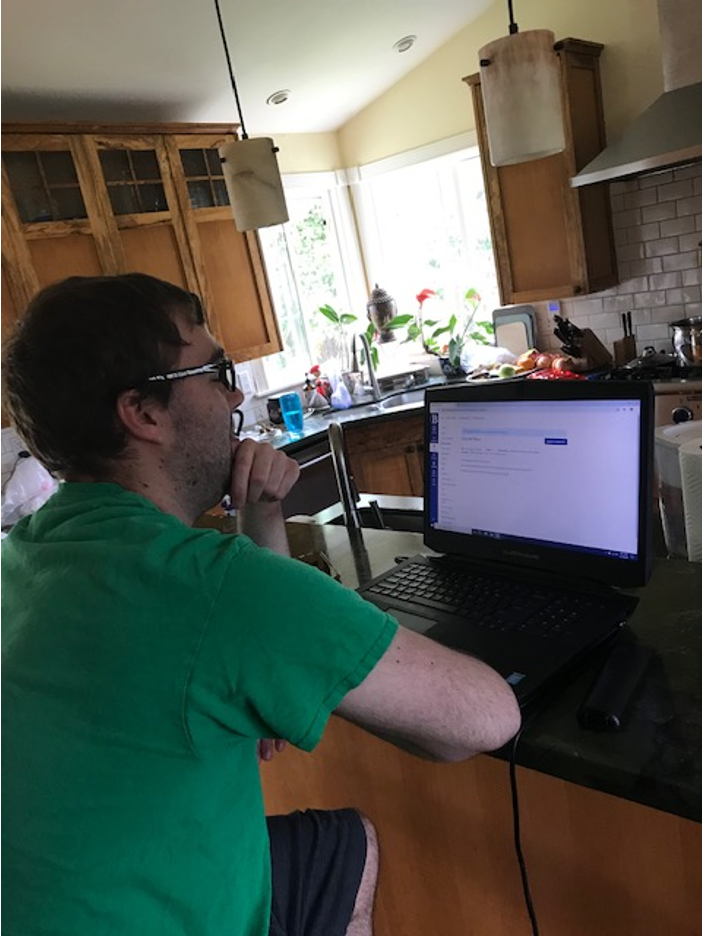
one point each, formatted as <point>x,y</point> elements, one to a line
<point>143,417</point>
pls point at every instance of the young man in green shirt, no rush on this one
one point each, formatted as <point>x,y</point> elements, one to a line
<point>146,662</point>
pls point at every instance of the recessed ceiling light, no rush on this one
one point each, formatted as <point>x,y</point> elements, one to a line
<point>278,97</point>
<point>404,44</point>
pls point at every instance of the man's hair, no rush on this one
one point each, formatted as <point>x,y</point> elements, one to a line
<point>82,342</point>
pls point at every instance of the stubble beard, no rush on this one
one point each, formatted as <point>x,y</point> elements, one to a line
<point>202,466</point>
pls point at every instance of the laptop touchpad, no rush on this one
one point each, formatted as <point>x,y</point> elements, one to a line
<point>412,621</point>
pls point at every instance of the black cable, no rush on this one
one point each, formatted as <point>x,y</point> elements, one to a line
<point>513,27</point>
<point>244,134</point>
<point>517,836</point>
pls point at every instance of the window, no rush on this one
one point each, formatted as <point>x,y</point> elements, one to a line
<point>423,224</point>
<point>311,261</point>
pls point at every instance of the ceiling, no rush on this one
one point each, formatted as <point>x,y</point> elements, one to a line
<point>163,60</point>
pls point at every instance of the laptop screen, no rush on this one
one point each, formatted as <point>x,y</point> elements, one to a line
<point>537,474</point>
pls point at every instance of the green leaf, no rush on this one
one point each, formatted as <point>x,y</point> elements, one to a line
<point>330,313</point>
<point>441,331</point>
<point>399,321</point>
<point>431,322</point>
<point>413,332</point>
<point>370,333</point>
<point>472,295</point>
<point>452,323</point>
<point>346,318</point>
<point>454,351</point>
<point>487,326</point>
<point>375,356</point>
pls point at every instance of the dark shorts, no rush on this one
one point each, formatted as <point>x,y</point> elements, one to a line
<point>317,858</point>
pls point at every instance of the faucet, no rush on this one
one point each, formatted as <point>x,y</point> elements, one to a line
<point>371,372</point>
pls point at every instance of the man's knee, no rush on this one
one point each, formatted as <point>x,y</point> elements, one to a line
<point>361,922</point>
<point>372,848</point>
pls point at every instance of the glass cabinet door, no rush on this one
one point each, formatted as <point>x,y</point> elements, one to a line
<point>133,180</point>
<point>136,175</point>
<point>44,185</point>
<point>204,177</point>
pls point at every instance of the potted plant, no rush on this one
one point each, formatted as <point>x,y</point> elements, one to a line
<point>448,339</point>
<point>340,320</point>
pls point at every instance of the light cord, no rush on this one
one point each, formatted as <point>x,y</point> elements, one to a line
<point>244,134</point>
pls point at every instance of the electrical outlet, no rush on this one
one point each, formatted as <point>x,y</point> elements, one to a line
<point>243,379</point>
<point>554,307</point>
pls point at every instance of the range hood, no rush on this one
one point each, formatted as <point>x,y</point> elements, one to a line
<point>669,133</point>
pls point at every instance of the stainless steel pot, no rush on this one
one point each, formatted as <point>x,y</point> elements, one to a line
<point>687,340</point>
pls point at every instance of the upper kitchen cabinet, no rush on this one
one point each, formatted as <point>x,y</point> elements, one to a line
<point>89,200</point>
<point>551,240</point>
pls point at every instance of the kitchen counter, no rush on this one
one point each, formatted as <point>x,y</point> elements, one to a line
<point>316,424</point>
<point>656,758</point>
<point>607,821</point>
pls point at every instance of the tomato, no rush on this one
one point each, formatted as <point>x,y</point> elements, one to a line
<point>550,373</point>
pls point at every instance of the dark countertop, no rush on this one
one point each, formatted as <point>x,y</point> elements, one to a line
<point>656,757</point>
<point>315,425</point>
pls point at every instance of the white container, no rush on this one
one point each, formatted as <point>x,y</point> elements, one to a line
<point>669,441</point>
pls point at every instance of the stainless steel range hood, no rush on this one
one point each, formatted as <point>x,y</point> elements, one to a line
<point>669,133</point>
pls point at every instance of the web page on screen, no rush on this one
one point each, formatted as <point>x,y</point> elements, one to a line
<point>549,471</point>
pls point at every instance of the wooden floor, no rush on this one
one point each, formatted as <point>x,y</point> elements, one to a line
<point>598,865</point>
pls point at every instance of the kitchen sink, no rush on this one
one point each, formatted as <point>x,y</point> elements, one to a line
<point>406,398</point>
<point>406,521</point>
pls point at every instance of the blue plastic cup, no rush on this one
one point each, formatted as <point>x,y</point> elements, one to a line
<point>293,415</point>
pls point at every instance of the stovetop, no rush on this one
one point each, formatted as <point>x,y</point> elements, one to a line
<point>669,371</point>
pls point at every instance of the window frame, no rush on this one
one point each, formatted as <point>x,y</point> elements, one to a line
<point>333,187</point>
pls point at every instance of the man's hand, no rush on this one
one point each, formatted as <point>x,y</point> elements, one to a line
<point>266,747</point>
<point>260,473</point>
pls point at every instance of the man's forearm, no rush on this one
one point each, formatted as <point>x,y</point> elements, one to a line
<point>264,524</point>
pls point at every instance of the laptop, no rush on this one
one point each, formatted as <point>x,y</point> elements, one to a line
<point>538,498</point>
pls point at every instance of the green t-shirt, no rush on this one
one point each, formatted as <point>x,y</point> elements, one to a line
<point>142,661</point>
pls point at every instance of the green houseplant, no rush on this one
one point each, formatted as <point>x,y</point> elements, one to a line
<point>447,339</point>
<point>340,320</point>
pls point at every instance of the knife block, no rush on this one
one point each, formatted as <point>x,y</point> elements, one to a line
<point>593,349</point>
<point>624,350</point>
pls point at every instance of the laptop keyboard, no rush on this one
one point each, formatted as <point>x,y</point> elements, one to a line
<point>490,601</point>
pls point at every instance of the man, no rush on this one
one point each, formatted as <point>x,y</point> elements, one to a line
<point>144,660</point>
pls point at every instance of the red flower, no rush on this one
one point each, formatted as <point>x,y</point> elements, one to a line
<point>315,370</point>
<point>424,295</point>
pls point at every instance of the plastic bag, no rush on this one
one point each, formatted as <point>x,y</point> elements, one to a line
<point>476,355</point>
<point>340,398</point>
<point>29,486</point>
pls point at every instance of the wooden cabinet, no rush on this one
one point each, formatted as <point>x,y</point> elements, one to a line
<point>551,240</point>
<point>386,456</point>
<point>598,865</point>
<point>88,200</point>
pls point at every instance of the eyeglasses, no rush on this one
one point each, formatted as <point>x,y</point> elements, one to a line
<point>223,370</point>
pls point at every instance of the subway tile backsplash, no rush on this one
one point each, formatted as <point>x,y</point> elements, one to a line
<point>657,222</point>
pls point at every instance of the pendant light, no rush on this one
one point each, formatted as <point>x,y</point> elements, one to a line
<point>520,83</point>
<point>251,169</point>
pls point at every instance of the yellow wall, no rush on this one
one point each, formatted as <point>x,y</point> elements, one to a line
<point>432,103</point>
<point>308,152</point>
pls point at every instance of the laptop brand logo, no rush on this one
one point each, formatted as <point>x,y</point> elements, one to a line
<point>518,554</point>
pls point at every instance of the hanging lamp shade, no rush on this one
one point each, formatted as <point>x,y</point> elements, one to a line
<point>253,183</point>
<point>520,84</point>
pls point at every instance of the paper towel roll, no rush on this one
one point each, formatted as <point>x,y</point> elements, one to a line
<point>690,455</point>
